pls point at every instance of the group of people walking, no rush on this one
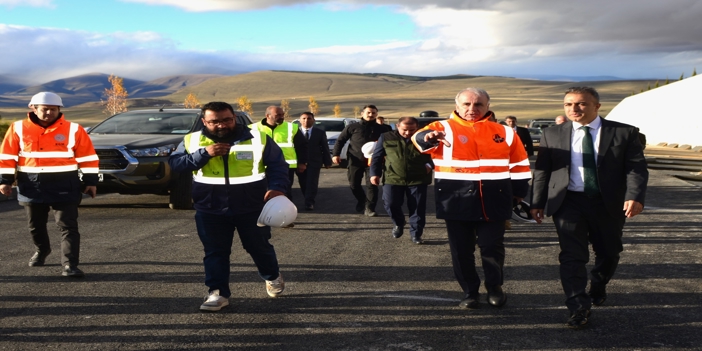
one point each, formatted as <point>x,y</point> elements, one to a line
<point>590,175</point>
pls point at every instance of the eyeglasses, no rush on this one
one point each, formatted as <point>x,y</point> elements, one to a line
<point>225,121</point>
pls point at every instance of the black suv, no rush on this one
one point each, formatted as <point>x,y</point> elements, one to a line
<point>134,147</point>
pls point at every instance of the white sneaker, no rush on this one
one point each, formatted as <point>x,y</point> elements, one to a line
<point>214,302</point>
<point>275,287</point>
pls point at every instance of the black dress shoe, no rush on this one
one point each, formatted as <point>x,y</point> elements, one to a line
<point>38,259</point>
<point>598,295</point>
<point>470,301</point>
<point>73,272</point>
<point>360,206</point>
<point>418,241</point>
<point>309,207</point>
<point>578,319</point>
<point>496,296</point>
<point>397,231</point>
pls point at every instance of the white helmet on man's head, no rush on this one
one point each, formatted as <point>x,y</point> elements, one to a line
<point>277,212</point>
<point>46,98</point>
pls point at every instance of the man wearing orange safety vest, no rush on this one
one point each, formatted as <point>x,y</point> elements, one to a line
<point>481,167</point>
<point>44,154</point>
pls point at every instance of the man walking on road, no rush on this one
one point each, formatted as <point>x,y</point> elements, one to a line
<point>235,170</point>
<point>590,175</point>
<point>288,138</point>
<point>47,152</point>
<point>481,168</point>
<point>405,172</point>
<point>318,148</point>
<point>523,134</point>
<point>359,134</point>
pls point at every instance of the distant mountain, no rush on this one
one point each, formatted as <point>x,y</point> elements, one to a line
<point>168,85</point>
<point>8,84</point>
<point>91,87</point>
<point>569,78</point>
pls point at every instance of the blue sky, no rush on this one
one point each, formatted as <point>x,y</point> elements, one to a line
<point>41,40</point>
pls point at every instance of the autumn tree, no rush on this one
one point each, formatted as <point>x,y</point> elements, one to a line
<point>337,110</point>
<point>314,107</point>
<point>356,111</point>
<point>245,105</point>
<point>694,72</point>
<point>682,75</point>
<point>285,105</point>
<point>191,101</point>
<point>116,96</point>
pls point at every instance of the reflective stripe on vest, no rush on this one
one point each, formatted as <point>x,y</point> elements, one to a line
<point>246,170</point>
<point>283,137</point>
<point>473,170</point>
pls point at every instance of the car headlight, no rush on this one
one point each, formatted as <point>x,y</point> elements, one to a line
<point>153,151</point>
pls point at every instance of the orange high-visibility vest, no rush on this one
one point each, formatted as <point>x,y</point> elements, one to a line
<point>480,150</point>
<point>62,147</point>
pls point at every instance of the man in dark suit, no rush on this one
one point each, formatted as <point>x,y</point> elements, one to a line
<point>523,134</point>
<point>590,175</point>
<point>318,156</point>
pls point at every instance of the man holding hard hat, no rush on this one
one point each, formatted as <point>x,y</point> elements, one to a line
<point>235,171</point>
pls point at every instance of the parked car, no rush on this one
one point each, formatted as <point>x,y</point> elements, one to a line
<point>535,134</point>
<point>541,123</point>
<point>333,126</point>
<point>134,146</point>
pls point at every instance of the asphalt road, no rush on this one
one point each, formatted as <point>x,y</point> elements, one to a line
<point>350,285</point>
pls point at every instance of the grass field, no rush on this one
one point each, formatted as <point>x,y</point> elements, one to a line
<point>395,96</point>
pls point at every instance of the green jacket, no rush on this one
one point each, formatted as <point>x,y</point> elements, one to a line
<point>399,161</point>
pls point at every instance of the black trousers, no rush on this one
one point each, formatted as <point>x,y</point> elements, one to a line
<point>356,175</point>
<point>309,184</point>
<point>394,197</point>
<point>66,217</point>
<point>579,220</point>
<point>463,235</point>
<point>291,179</point>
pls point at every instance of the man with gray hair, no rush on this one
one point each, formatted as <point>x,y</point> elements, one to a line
<point>480,169</point>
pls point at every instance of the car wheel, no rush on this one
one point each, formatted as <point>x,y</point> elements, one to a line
<point>181,193</point>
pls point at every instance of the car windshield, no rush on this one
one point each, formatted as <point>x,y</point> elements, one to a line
<point>536,131</point>
<point>330,126</point>
<point>147,123</point>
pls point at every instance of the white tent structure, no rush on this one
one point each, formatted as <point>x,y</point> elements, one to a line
<point>668,114</point>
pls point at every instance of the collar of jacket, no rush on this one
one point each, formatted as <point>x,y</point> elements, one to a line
<point>463,122</point>
<point>33,117</point>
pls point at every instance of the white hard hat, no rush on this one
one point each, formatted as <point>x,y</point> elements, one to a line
<point>521,212</point>
<point>277,212</point>
<point>367,149</point>
<point>46,98</point>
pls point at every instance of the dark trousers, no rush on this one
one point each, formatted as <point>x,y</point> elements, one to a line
<point>356,175</point>
<point>463,235</point>
<point>216,234</point>
<point>309,183</point>
<point>580,220</point>
<point>394,196</point>
<point>66,217</point>
<point>291,179</point>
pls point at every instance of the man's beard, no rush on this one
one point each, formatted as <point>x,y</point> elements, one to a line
<point>222,134</point>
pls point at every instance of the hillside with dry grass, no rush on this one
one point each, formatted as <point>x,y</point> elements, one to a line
<point>394,95</point>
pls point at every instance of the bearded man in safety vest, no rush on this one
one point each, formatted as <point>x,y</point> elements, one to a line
<point>44,154</point>
<point>235,170</point>
<point>288,136</point>
<point>481,167</point>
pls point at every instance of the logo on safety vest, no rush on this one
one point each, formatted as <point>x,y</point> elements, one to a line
<point>498,139</point>
<point>463,139</point>
<point>60,137</point>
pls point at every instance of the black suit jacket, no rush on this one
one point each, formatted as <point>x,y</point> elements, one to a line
<point>318,149</point>
<point>621,167</point>
<point>525,136</point>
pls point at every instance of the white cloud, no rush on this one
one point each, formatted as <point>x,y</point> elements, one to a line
<point>31,3</point>
<point>628,38</point>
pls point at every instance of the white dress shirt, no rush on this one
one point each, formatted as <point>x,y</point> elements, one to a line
<point>577,171</point>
